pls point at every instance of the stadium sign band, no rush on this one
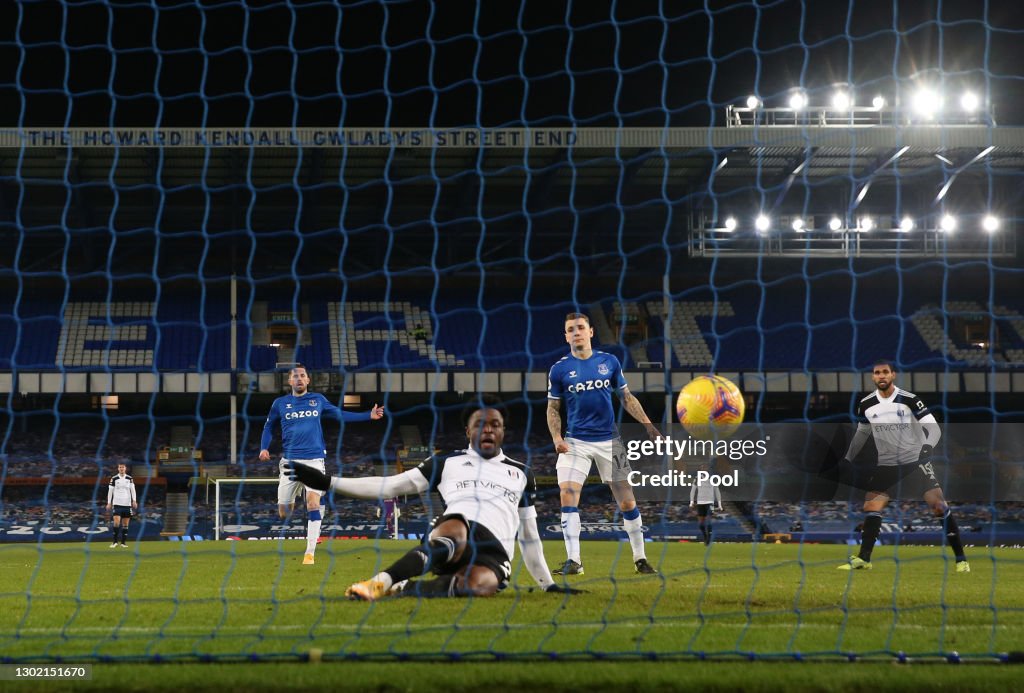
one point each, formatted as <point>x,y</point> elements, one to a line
<point>380,138</point>
<point>514,138</point>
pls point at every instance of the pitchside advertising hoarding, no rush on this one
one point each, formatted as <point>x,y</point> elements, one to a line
<point>771,477</point>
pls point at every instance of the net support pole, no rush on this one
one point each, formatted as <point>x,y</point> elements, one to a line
<point>216,510</point>
<point>666,327</point>
<point>233,453</point>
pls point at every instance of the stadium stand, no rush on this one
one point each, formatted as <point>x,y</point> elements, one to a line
<point>799,330</point>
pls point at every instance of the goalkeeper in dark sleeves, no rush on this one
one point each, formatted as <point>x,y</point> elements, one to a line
<point>488,506</point>
<point>905,434</point>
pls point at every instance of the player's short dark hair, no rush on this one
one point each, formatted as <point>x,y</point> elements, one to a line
<point>884,362</point>
<point>578,316</point>
<point>483,401</point>
<point>298,365</point>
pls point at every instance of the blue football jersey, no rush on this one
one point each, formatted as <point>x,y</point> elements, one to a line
<point>586,386</point>
<point>302,437</point>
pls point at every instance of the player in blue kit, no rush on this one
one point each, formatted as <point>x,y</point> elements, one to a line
<point>302,442</point>
<point>585,380</point>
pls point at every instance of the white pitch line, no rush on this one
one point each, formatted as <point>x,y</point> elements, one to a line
<point>404,629</point>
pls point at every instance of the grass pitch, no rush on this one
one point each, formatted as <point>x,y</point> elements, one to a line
<point>245,601</point>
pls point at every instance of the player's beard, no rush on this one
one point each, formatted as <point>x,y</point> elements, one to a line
<point>488,452</point>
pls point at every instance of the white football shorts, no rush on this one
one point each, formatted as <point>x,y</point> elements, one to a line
<point>608,455</point>
<point>288,489</point>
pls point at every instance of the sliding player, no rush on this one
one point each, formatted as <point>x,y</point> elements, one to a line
<point>488,504</point>
<point>302,442</point>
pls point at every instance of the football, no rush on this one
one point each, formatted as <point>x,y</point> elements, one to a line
<point>710,407</point>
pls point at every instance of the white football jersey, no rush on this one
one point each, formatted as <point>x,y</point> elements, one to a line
<point>485,490</point>
<point>896,424</point>
<point>121,490</point>
<point>704,493</point>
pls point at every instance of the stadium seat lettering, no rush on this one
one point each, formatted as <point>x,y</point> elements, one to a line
<point>21,530</point>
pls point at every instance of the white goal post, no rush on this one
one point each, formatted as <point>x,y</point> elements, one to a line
<point>231,481</point>
<point>259,480</point>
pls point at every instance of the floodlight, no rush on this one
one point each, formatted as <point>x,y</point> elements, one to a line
<point>798,101</point>
<point>762,223</point>
<point>866,224</point>
<point>878,103</point>
<point>753,102</point>
<point>906,224</point>
<point>969,101</point>
<point>841,101</point>
<point>947,223</point>
<point>730,224</point>
<point>990,223</point>
<point>798,225</point>
<point>927,103</point>
<point>835,223</point>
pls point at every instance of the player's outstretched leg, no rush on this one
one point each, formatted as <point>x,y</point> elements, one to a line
<point>446,544</point>
<point>476,581</point>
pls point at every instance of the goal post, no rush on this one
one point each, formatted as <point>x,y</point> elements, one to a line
<point>389,509</point>
<point>218,524</point>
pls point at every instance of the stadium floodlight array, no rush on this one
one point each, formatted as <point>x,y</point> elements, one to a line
<point>926,105</point>
<point>764,223</point>
<point>859,233</point>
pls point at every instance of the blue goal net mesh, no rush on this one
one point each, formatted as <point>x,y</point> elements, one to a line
<point>408,199</point>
